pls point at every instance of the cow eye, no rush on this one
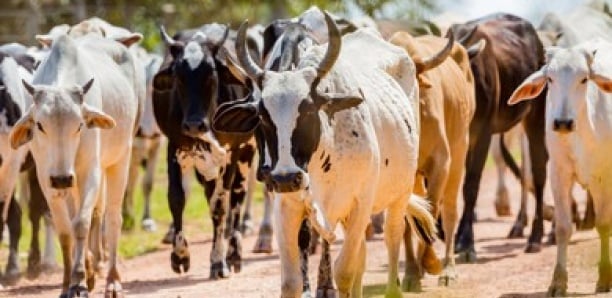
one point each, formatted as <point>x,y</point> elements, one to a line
<point>80,127</point>
<point>549,80</point>
<point>39,126</point>
<point>583,81</point>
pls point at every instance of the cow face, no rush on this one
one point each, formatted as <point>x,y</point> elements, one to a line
<point>53,126</point>
<point>566,74</point>
<point>195,80</point>
<point>10,111</point>
<point>288,116</point>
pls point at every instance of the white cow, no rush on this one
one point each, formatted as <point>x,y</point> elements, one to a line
<point>336,154</point>
<point>79,131</point>
<point>578,135</point>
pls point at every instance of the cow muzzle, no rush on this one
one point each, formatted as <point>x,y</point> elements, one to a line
<point>62,181</point>
<point>288,182</point>
<point>563,125</point>
<point>193,128</point>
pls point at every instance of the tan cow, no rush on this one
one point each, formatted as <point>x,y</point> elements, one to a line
<point>447,105</point>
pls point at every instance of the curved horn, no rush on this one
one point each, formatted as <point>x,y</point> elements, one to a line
<point>252,69</point>
<point>165,37</point>
<point>333,48</point>
<point>466,37</point>
<point>438,58</point>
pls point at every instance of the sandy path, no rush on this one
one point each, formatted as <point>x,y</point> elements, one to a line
<point>502,270</point>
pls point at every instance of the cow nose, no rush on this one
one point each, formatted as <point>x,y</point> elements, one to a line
<point>194,128</point>
<point>288,182</point>
<point>62,182</point>
<point>563,125</point>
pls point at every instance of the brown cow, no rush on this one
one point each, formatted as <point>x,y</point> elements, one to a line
<point>447,105</point>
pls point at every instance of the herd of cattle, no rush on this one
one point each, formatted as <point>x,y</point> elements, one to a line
<point>344,121</point>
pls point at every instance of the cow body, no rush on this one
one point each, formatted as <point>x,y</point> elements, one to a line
<point>88,165</point>
<point>447,105</point>
<point>578,130</point>
<point>513,51</point>
<point>191,83</point>
<point>312,140</point>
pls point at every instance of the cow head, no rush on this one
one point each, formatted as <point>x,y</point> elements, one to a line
<point>193,75</point>
<point>566,74</point>
<point>288,115</point>
<point>11,102</point>
<point>53,126</point>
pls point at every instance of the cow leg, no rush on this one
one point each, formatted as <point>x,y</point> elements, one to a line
<point>589,216</point>
<point>61,217</point>
<point>560,184</point>
<point>264,237</point>
<point>314,241</point>
<point>116,180</point>
<point>49,263</point>
<point>288,217</point>
<point>218,196</point>
<point>34,258</point>
<point>325,282</point>
<point>413,271</point>
<point>604,283</point>
<point>303,242</point>
<point>539,159</point>
<point>394,228</point>
<point>357,290</point>
<point>179,257</point>
<point>148,223</point>
<point>234,254</point>
<point>247,225</point>
<point>95,260</point>
<point>502,200</point>
<point>128,202</point>
<point>11,274</point>
<point>475,161</point>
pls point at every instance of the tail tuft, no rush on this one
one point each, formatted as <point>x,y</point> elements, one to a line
<point>420,218</point>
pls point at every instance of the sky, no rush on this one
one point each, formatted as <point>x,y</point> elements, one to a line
<point>532,10</point>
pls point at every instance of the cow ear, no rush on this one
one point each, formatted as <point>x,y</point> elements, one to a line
<point>530,88</point>
<point>130,39</point>
<point>95,118</point>
<point>332,103</point>
<point>604,82</point>
<point>240,117</point>
<point>163,80</point>
<point>22,131</point>
<point>45,40</point>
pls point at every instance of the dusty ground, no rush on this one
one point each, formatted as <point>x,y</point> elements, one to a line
<point>502,270</point>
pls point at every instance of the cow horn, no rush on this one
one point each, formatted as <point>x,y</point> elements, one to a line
<point>253,70</point>
<point>438,58</point>
<point>333,47</point>
<point>165,37</point>
<point>466,37</point>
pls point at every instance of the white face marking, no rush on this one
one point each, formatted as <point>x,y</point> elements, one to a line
<point>193,54</point>
<point>206,163</point>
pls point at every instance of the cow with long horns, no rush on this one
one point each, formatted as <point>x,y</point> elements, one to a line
<point>341,134</point>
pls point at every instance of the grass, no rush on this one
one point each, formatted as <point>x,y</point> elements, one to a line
<point>196,220</point>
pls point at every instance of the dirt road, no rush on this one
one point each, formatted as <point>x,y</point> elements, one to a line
<point>502,270</point>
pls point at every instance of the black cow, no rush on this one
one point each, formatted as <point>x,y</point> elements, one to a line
<point>513,51</point>
<point>191,83</point>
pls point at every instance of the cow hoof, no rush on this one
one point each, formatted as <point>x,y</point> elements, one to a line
<point>554,291</point>
<point>548,213</point>
<point>393,292</point>
<point>369,234</point>
<point>533,247</point>
<point>468,256</point>
<point>234,265</point>
<point>448,277</point>
<point>516,232</point>
<point>411,284</point>
<point>306,294</point>
<point>177,262</point>
<point>219,270</point>
<point>77,291</point>
<point>502,209</point>
<point>602,287</point>
<point>114,290</point>
<point>169,237</point>
<point>264,240</point>
<point>128,223</point>
<point>247,227</point>
<point>326,293</point>
<point>148,225</point>
<point>10,278</point>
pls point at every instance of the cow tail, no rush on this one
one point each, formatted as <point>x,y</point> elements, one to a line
<point>420,219</point>
<point>508,159</point>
